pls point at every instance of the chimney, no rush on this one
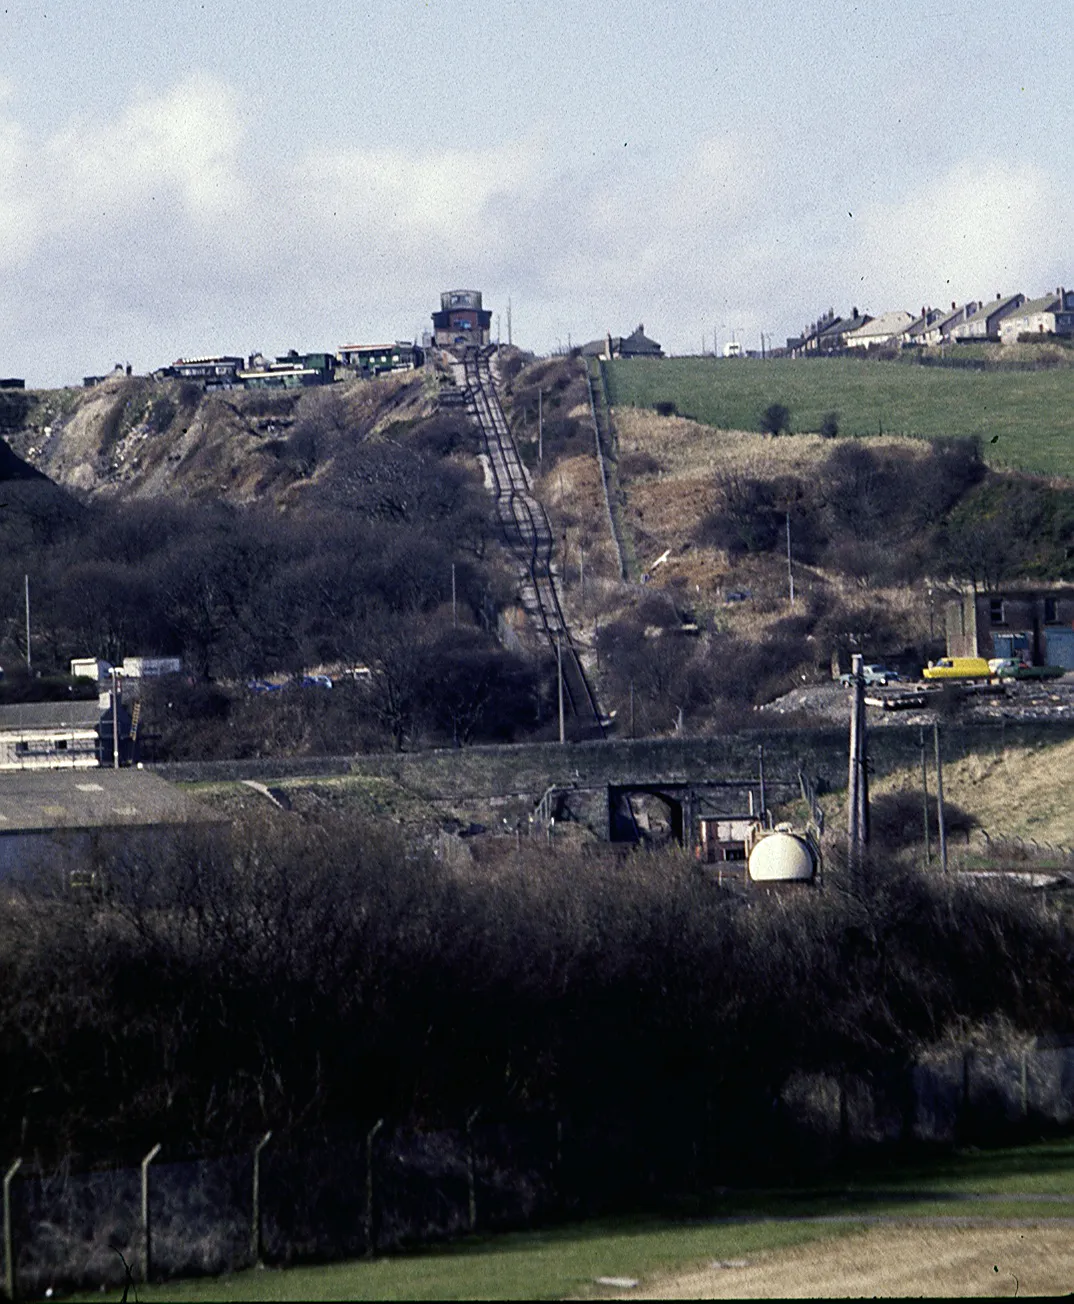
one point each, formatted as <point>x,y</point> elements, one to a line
<point>998,295</point>
<point>953,305</point>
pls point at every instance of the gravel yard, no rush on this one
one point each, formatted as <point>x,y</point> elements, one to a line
<point>830,703</point>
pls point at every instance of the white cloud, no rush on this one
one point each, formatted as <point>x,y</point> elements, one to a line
<point>91,181</point>
<point>982,227</point>
<point>18,215</point>
<point>182,144</point>
<point>171,227</point>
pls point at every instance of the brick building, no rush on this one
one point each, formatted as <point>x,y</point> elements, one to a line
<point>1036,624</point>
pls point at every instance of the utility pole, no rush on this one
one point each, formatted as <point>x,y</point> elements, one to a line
<point>509,341</point>
<point>939,797</point>
<point>925,796</point>
<point>540,427</point>
<point>857,779</point>
<point>26,588</point>
<point>454,607</point>
<point>559,677</point>
<point>790,570</point>
<point>115,718</point>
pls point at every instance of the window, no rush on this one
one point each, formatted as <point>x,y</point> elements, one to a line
<point>61,744</point>
<point>1051,611</point>
<point>995,611</point>
<point>21,748</point>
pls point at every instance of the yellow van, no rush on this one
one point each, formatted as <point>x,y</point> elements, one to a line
<point>958,668</point>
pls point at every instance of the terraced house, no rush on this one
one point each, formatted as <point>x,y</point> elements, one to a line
<point>984,324</point>
<point>1035,317</point>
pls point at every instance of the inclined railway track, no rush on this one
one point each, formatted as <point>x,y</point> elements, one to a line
<point>527,532</point>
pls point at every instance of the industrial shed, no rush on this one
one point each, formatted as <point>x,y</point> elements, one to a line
<point>60,820</point>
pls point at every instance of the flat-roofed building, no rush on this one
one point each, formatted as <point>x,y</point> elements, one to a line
<point>61,821</point>
<point>72,735</point>
<point>378,359</point>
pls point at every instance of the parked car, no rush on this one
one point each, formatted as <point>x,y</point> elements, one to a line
<point>873,674</point>
<point>957,668</point>
<point>1016,668</point>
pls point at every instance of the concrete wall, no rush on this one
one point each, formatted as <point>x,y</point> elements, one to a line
<point>532,768</point>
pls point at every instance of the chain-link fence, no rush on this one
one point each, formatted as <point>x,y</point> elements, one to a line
<point>349,1194</point>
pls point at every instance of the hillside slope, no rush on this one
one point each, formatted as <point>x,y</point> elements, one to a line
<point>1024,418</point>
<point>139,438</point>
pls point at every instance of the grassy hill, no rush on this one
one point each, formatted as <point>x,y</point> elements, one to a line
<point>1029,414</point>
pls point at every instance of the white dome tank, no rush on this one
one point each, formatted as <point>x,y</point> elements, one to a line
<point>782,858</point>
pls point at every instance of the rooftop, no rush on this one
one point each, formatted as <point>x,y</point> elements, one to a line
<point>79,714</point>
<point>35,801</point>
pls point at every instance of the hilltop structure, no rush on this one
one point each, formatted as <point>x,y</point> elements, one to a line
<point>461,319</point>
<point>635,345</point>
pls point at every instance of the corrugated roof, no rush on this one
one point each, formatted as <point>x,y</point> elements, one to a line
<point>50,715</point>
<point>41,800</point>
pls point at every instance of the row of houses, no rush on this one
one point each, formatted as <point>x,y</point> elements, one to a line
<point>1005,319</point>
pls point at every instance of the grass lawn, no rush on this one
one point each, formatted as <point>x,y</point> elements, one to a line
<point>567,1261</point>
<point>1029,413</point>
<point>523,1265</point>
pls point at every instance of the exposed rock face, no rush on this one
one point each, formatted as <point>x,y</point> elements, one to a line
<point>138,437</point>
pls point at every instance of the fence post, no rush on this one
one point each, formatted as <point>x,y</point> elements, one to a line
<point>471,1177</point>
<point>255,1217</point>
<point>560,1184</point>
<point>9,1239</point>
<point>370,1137</point>
<point>147,1236</point>
<point>964,1116</point>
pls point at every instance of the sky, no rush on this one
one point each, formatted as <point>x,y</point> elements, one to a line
<point>189,178</point>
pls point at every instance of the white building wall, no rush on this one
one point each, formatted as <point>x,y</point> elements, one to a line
<point>41,749</point>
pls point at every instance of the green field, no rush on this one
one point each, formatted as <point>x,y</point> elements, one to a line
<point>1025,1182</point>
<point>1030,414</point>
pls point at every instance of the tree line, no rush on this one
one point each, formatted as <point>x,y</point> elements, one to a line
<point>289,975</point>
<point>390,563</point>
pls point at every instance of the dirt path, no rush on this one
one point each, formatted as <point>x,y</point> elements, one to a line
<point>1030,1259</point>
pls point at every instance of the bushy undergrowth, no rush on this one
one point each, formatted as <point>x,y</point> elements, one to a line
<point>294,975</point>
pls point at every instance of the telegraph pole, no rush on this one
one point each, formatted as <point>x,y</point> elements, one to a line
<point>540,426</point>
<point>790,570</point>
<point>925,796</point>
<point>857,778</point>
<point>559,677</point>
<point>115,718</point>
<point>26,588</point>
<point>939,796</point>
<point>454,607</point>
